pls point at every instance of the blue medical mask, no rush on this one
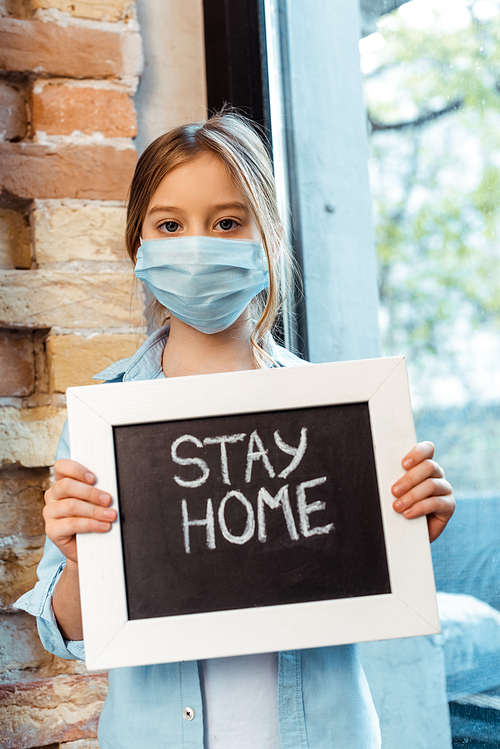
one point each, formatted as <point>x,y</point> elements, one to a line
<point>206,282</point>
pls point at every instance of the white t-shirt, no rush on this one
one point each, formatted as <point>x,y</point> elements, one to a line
<point>240,702</point>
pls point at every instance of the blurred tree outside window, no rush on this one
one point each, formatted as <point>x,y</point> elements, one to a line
<point>432,89</point>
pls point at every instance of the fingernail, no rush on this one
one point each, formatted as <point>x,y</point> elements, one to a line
<point>407,513</point>
<point>407,463</point>
<point>104,498</point>
<point>397,489</point>
<point>398,505</point>
<point>109,513</point>
<point>90,477</point>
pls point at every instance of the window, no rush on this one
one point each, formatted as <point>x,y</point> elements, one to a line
<point>432,88</point>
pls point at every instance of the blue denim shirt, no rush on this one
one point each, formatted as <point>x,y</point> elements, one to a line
<point>323,699</point>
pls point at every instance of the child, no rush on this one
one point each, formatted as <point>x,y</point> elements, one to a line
<point>204,232</point>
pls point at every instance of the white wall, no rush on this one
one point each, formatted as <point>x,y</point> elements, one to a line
<point>172,90</point>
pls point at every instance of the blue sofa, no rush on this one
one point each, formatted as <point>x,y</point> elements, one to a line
<point>413,680</point>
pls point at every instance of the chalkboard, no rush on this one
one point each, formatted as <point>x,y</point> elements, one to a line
<point>254,514</point>
<point>216,542</point>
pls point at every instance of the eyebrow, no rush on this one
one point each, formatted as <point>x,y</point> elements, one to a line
<point>219,207</point>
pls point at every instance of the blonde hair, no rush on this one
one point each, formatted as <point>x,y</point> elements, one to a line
<point>232,138</point>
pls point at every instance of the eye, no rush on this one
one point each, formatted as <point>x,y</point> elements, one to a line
<point>227,224</point>
<point>169,226</point>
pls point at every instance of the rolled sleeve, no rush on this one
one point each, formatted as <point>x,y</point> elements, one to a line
<point>38,602</point>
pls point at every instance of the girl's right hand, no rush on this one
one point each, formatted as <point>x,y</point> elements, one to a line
<point>73,505</point>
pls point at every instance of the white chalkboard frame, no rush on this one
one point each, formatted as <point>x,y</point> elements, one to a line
<point>112,640</point>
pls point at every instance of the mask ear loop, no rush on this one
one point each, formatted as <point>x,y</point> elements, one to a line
<point>141,242</point>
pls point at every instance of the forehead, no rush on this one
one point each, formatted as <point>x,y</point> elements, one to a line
<point>204,178</point>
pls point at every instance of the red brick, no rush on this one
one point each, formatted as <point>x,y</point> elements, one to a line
<point>74,360</point>
<point>29,436</point>
<point>18,571</point>
<point>15,239</point>
<point>68,299</point>
<point>17,362</point>
<point>60,109</point>
<point>20,647</point>
<point>100,10</point>
<point>30,170</point>
<point>72,51</point>
<point>12,113</point>
<point>16,8</point>
<point>47,711</point>
<point>21,502</point>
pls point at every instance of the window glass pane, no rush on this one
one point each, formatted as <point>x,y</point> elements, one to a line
<point>432,87</point>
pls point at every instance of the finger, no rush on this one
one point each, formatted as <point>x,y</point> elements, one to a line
<point>438,502</point>
<point>436,525</point>
<point>426,469</point>
<point>61,531</point>
<point>71,507</point>
<point>68,548</point>
<point>66,467</point>
<point>430,488</point>
<point>420,452</point>
<point>68,487</point>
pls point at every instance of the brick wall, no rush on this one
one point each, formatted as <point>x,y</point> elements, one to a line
<point>67,304</point>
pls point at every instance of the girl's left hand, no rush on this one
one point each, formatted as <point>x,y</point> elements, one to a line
<point>423,490</point>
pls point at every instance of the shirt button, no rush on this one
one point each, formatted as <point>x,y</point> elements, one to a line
<point>188,713</point>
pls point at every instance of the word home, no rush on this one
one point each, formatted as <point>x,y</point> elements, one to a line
<point>255,452</point>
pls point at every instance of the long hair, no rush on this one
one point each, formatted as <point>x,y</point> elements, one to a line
<point>233,139</point>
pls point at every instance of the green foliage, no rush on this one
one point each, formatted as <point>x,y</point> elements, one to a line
<point>436,184</point>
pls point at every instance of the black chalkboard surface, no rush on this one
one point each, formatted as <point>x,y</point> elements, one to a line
<point>249,510</point>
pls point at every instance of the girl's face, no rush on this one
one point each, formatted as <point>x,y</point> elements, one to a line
<point>199,198</point>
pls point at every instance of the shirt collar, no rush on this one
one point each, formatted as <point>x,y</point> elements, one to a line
<point>146,363</point>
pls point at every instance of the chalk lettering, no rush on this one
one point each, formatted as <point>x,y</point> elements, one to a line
<point>227,439</point>
<point>208,521</point>
<point>259,454</point>
<point>249,526</point>
<point>306,509</point>
<point>205,470</point>
<point>297,452</point>
<point>281,498</point>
